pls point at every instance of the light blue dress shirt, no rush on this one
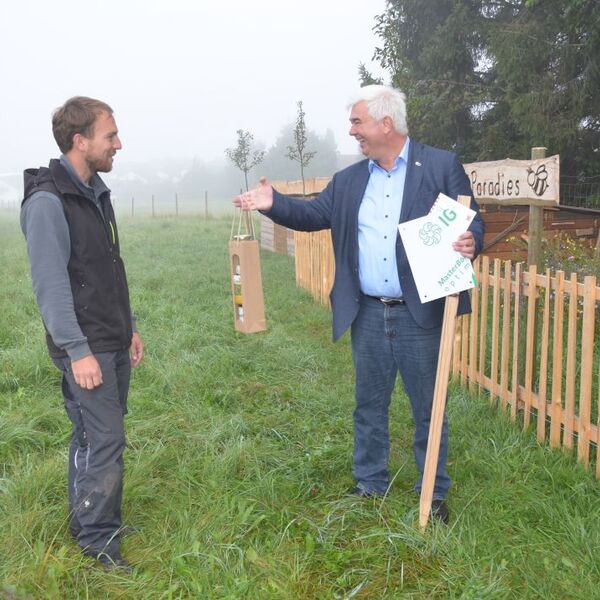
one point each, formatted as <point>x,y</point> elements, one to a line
<point>378,219</point>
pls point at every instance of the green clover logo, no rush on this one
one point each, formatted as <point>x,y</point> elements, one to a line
<point>430,234</point>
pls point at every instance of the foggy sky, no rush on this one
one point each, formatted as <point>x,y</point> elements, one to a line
<point>181,75</point>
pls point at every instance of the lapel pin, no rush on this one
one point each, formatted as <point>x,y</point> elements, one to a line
<point>417,163</point>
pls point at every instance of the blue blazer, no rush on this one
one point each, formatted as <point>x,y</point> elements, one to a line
<point>429,172</point>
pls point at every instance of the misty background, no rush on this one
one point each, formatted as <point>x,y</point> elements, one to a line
<point>183,77</point>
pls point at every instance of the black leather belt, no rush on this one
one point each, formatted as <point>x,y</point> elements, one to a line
<point>388,301</point>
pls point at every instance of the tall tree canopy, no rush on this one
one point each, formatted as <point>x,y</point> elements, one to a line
<point>492,78</point>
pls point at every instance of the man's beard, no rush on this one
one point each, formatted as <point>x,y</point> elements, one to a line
<point>100,165</point>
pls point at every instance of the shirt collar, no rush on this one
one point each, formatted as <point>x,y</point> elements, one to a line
<point>97,186</point>
<point>402,156</point>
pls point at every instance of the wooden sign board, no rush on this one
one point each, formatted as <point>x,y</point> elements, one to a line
<point>509,182</point>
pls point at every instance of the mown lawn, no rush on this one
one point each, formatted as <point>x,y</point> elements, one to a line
<point>239,457</point>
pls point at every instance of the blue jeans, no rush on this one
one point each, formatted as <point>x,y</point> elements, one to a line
<point>385,340</point>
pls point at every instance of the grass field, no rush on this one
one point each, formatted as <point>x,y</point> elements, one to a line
<point>239,457</point>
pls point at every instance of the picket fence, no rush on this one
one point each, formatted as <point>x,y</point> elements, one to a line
<point>529,343</point>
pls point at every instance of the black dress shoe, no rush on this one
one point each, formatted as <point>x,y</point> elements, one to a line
<point>362,493</point>
<point>439,510</point>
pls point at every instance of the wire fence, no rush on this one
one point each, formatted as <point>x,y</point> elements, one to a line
<point>155,205</point>
<point>581,192</point>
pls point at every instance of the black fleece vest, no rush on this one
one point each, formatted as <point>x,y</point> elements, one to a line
<point>96,271</point>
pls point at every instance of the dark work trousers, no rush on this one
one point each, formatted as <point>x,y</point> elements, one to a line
<point>95,474</point>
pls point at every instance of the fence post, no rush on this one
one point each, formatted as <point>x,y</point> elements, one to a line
<point>206,205</point>
<point>557,361</point>
<point>532,295</point>
<point>132,206</point>
<point>176,205</point>
<point>536,221</point>
<point>587,370</point>
<point>542,408</point>
<point>514,408</point>
<point>152,204</point>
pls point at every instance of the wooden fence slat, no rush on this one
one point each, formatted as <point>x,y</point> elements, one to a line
<point>505,333</point>
<point>571,363</point>
<point>464,327</point>
<point>483,333</point>
<point>456,350</point>
<point>543,374</point>
<point>597,437</point>
<point>587,357</point>
<point>530,342</point>
<point>495,280</point>
<point>514,397</point>
<point>474,333</point>
<point>557,360</point>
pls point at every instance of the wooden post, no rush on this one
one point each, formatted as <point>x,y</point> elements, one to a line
<point>206,205</point>
<point>132,201</point>
<point>439,401</point>
<point>176,205</point>
<point>530,343</point>
<point>536,222</point>
<point>556,411</point>
<point>587,367</point>
<point>514,407</point>
<point>152,204</point>
<point>543,360</point>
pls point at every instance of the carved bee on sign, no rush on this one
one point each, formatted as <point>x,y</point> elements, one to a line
<point>538,180</point>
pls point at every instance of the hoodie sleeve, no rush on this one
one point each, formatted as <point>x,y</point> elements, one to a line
<point>49,247</point>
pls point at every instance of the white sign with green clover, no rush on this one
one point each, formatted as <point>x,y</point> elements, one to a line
<point>438,270</point>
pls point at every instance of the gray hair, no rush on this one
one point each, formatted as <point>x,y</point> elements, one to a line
<point>383,101</point>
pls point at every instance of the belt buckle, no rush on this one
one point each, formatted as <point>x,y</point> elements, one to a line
<point>391,301</point>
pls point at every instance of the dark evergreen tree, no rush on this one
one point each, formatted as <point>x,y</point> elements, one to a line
<point>492,78</point>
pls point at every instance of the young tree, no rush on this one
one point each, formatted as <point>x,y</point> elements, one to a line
<point>277,164</point>
<point>243,156</point>
<point>297,151</point>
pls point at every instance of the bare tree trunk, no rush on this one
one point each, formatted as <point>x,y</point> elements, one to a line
<point>302,175</point>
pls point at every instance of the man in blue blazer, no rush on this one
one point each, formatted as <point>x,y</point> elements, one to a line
<point>374,292</point>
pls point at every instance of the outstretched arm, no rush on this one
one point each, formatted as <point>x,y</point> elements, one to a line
<point>301,215</point>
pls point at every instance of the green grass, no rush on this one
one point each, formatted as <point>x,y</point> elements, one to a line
<point>240,452</point>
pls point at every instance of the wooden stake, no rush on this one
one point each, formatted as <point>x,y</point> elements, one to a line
<point>439,401</point>
<point>536,221</point>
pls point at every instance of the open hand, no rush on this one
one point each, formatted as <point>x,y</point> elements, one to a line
<point>259,198</point>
